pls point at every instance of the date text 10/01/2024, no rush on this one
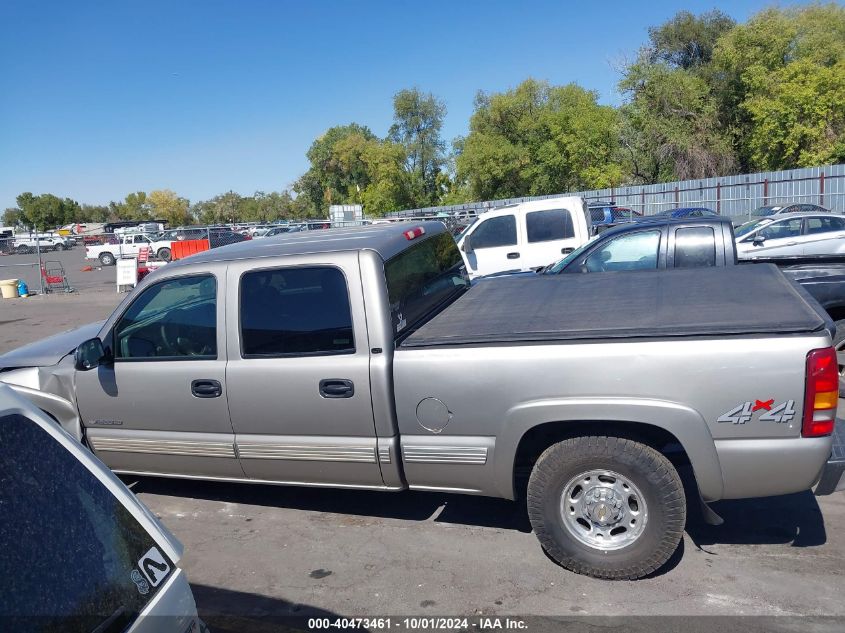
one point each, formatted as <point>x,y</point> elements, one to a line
<point>420,623</point>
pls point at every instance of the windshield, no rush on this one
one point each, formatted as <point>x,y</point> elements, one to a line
<point>557,267</point>
<point>422,278</point>
<point>72,550</point>
<point>753,225</point>
<point>764,211</point>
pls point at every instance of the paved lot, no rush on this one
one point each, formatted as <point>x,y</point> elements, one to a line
<point>26,267</point>
<point>253,551</point>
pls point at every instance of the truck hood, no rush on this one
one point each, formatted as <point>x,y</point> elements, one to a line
<point>51,350</point>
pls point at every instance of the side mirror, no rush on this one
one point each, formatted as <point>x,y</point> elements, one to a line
<point>466,245</point>
<point>89,354</point>
<point>758,240</point>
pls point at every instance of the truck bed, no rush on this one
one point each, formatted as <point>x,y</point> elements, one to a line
<point>739,300</point>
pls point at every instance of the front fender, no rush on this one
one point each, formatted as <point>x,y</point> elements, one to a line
<point>684,423</point>
<point>62,410</point>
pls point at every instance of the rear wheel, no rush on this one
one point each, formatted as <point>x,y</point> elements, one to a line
<point>23,249</point>
<point>106,259</point>
<point>163,254</point>
<point>606,507</point>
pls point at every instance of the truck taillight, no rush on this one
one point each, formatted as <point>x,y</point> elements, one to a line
<point>821,394</point>
<point>415,232</point>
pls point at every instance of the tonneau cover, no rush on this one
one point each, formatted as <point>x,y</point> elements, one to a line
<point>687,302</point>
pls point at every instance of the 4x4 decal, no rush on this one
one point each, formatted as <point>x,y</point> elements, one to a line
<point>780,413</point>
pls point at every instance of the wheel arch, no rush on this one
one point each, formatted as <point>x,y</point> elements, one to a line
<point>532,427</point>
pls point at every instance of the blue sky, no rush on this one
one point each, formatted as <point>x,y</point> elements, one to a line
<point>98,99</point>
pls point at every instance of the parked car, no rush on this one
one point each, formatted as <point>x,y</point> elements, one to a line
<point>524,236</point>
<point>276,230</point>
<point>688,212</point>
<point>606,214</point>
<point>365,360</point>
<point>792,234</point>
<point>766,211</point>
<point>81,553</point>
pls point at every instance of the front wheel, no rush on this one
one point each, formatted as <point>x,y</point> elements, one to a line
<point>163,254</point>
<point>606,507</point>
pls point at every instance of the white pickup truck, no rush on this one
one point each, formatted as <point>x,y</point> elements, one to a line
<point>44,242</point>
<point>128,246</point>
<point>525,236</point>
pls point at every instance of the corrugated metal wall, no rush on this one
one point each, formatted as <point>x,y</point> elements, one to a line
<point>730,195</point>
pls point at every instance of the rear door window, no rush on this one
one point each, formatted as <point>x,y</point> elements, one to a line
<point>72,551</point>
<point>824,225</point>
<point>695,247</point>
<point>295,312</point>
<point>545,226</point>
<point>495,232</point>
<point>422,278</point>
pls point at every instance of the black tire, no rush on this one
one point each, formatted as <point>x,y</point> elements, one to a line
<point>23,250</point>
<point>106,259</point>
<point>163,254</point>
<point>647,469</point>
<point>839,344</point>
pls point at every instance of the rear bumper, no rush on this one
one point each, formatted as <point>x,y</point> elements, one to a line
<point>833,474</point>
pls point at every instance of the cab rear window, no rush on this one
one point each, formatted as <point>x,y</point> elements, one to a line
<point>422,278</point>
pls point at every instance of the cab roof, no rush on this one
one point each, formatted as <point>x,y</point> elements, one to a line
<point>385,239</point>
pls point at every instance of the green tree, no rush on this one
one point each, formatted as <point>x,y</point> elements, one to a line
<point>135,206</point>
<point>780,84</point>
<point>337,174</point>
<point>12,216</point>
<point>388,188</point>
<point>670,126</point>
<point>95,213</point>
<point>166,205</point>
<point>47,211</point>
<point>538,139</point>
<point>687,41</point>
<point>417,123</point>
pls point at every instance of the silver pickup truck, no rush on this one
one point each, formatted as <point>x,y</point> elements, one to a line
<point>361,358</point>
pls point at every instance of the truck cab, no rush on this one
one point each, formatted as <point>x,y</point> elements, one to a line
<point>653,243</point>
<point>524,236</point>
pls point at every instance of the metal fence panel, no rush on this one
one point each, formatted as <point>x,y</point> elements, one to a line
<point>730,195</point>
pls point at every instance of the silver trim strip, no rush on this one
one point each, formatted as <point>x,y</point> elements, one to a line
<point>302,452</point>
<point>165,447</point>
<point>473,455</point>
<point>384,454</point>
<point>274,482</point>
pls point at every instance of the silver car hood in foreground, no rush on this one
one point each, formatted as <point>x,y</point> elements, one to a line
<point>51,350</point>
